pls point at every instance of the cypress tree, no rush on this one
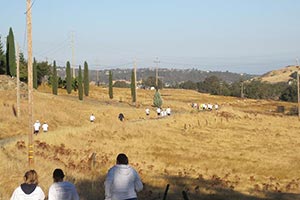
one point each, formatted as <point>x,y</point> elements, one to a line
<point>34,74</point>
<point>80,88</point>
<point>54,80</point>
<point>2,59</point>
<point>68,78</point>
<point>157,100</point>
<point>133,93</point>
<point>110,91</point>
<point>11,54</point>
<point>86,79</point>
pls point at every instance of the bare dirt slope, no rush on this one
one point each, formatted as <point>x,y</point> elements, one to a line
<point>244,150</point>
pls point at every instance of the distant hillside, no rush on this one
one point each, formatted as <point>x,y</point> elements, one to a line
<point>168,76</point>
<point>280,75</point>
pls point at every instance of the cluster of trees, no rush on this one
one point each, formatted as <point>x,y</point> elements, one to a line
<point>41,70</point>
<point>254,89</point>
<point>78,83</point>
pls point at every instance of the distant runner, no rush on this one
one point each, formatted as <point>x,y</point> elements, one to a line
<point>36,127</point>
<point>45,127</point>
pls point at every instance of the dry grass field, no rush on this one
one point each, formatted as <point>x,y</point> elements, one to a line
<point>243,151</point>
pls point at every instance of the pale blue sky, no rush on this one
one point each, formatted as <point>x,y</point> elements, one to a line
<point>252,36</point>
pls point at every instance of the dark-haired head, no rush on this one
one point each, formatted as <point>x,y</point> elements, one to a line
<point>58,175</point>
<point>122,159</point>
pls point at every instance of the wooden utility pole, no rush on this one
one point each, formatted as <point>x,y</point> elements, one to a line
<point>30,84</point>
<point>97,78</point>
<point>18,80</point>
<point>156,74</point>
<point>242,89</point>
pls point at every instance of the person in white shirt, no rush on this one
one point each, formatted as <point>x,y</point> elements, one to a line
<point>147,111</point>
<point>45,127</point>
<point>216,106</point>
<point>122,181</point>
<point>158,110</point>
<point>168,110</point>
<point>60,189</point>
<point>29,190</point>
<point>92,118</point>
<point>36,127</point>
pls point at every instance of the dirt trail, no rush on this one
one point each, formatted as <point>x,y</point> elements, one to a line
<point>8,140</point>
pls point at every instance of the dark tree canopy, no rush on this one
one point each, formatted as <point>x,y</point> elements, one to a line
<point>54,80</point>
<point>80,87</point>
<point>10,54</point>
<point>133,87</point>
<point>86,79</point>
<point>68,78</point>
<point>110,89</point>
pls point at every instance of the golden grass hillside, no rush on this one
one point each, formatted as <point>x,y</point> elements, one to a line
<point>280,75</point>
<point>243,151</point>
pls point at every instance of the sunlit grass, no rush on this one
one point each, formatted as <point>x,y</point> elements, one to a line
<point>241,151</point>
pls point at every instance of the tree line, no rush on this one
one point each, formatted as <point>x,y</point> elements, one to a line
<point>254,89</point>
<point>42,71</point>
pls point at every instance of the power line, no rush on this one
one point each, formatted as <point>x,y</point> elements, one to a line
<point>29,7</point>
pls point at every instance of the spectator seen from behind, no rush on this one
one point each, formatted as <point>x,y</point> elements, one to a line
<point>60,189</point>
<point>29,190</point>
<point>122,181</point>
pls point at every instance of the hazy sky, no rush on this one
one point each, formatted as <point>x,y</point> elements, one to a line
<point>252,36</point>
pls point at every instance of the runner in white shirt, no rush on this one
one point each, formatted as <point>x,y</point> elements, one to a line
<point>36,127</point>
<point>158,110</point>
<point>92,118</point>
<point>168,111</point>
<point>147,111</point>
<point>45,127</point>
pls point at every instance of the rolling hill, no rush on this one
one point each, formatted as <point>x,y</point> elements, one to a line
<point>243,151</point>
<point>281,75</point>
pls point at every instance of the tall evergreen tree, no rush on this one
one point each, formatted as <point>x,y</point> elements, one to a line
<point>86,79</point>
<point>34,74</point>
<point>133,87</point>
<point>110,90</point>
<point>23,68</point>
<point>2,59</point>
<point>54,80</point>
<point>157,100</point>
<point>68,78</point>
<point>10,54</point>
<point>80,88</point>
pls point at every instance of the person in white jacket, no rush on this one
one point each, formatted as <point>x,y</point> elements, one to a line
<point>60,189</point>
<point>29,190</point>
<point>122,181</point>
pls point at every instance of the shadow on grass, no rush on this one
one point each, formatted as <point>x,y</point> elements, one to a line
<point>94,190</point>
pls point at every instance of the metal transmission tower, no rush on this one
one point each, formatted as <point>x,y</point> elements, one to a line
<point>156,74</point>
<point>30,83</point>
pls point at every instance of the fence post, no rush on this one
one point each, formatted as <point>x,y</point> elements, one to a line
<point>185,196</point>
<point>166,192</point>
